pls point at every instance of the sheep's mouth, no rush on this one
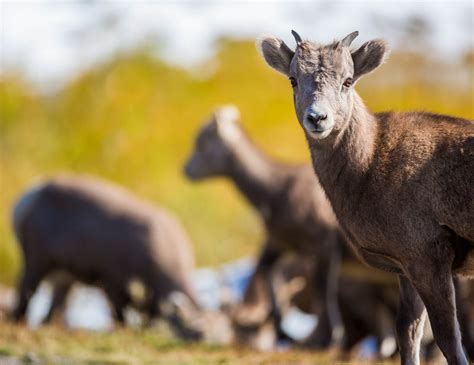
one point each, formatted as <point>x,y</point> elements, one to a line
<point>318,130</point>
<point>319,133</point>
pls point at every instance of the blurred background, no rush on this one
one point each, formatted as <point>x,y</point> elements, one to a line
<point>119,90</point>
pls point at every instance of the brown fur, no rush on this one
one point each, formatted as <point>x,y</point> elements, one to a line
<point>297,218</point>
<point>401,184</point>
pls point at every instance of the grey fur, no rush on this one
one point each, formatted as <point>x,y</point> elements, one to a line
<point>99,234</point>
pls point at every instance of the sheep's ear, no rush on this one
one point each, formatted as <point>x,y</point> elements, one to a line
<point>227,114</point>
<point>276,53</point>
<point>227,119</point>
<point>369,56</point>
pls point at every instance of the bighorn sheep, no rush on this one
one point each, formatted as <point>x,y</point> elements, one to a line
<point>297,217</point>
<point>99,234</point>
<point>401,184</point>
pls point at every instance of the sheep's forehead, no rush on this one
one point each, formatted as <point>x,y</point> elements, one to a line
<point>223,130</point>
<point>207,131</point>
<point>321,61</point>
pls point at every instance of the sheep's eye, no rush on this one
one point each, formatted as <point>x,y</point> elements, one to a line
<point>293,81</point>
<point>348,82</point>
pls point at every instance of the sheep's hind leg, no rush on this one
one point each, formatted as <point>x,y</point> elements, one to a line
<point>30,279</point>
<point>465,316</point>
<point>432,277</point>
<point>410,319</point>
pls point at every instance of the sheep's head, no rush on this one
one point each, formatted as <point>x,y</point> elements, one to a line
<point>322,78</point>
<point>212,150</point>
<point>191,323</point>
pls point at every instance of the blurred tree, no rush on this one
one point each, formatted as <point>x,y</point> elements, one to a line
<point>133,120</point>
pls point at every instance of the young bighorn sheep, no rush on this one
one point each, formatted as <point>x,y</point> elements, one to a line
<point>100,234</point>
<point>296,214</point>
<point>401,184</point>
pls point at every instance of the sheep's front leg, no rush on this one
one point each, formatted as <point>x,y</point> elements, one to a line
<point>410,319</point>
<point>257,304</point>
<point>329,330</point>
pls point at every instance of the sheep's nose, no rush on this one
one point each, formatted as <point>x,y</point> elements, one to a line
<point>314,118</point>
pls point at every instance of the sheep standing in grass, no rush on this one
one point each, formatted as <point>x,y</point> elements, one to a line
<point>401,184</point>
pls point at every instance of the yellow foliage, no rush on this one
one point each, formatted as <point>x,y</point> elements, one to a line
<point>133,120</point>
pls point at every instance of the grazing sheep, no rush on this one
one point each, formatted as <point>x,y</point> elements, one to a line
<point>401,184</point>
<point>99,234</point>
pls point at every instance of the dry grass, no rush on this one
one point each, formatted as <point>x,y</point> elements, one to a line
<point>56,345</point>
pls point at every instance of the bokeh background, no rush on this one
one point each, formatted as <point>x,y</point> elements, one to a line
<point>119,90</point>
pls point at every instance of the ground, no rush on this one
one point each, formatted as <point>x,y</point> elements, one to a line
<point>54,345</point>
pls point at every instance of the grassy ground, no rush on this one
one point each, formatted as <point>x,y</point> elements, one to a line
<point>54,345</point>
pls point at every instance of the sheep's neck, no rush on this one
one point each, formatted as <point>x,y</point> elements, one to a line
<point>343,162</point>
<point>255,175</point>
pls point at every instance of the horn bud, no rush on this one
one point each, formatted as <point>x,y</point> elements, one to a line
<point>297,37</point>
<point>349,38</point>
